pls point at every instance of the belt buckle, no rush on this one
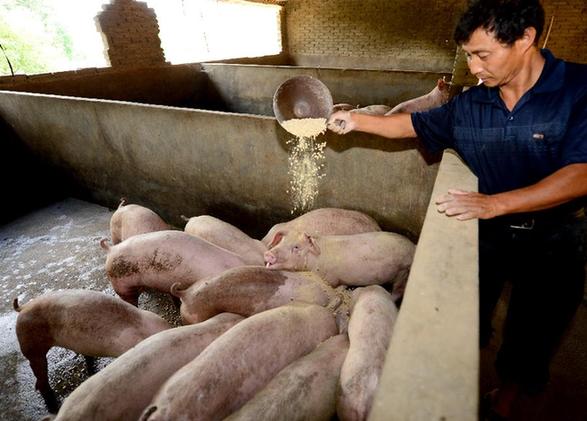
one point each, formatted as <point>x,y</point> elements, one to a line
<point>526,225</point>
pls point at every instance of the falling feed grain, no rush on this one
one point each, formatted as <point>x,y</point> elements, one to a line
<point>306,161</point>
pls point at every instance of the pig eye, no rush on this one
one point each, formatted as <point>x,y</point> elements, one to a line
<point>295,249</point>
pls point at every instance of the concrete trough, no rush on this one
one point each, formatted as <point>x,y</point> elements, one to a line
<point>220,151</point>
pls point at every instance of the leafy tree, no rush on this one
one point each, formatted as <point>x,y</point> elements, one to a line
<point>39,46</point>
<point>25,54</point>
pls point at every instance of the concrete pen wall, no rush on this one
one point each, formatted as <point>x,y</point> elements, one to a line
<point>241,88</point>
<point>250,88</point>
<point>235,166</point>
<point>431,370</point>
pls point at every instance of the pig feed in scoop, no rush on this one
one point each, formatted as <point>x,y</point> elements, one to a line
<point>305,127</point>
<point>306,160</point>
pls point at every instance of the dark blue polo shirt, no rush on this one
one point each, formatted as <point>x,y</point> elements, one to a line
<point>546,130</point>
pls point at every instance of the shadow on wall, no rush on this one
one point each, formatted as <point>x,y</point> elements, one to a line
<point>27,182</point>
<point>250,220</point>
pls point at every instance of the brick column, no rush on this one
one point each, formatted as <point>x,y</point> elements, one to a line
<point>131,33</point>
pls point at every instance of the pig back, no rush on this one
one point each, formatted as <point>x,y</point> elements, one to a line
<point>304,390</point>
<point>372,110</point>
<point>240,362</point>
<point>138,373</point>
<point>361,259</point>
<point>160,258</point>
<point>250,290</point>
<point>226,236</point>
<point>435,98</point>
<point>88,322</point>
<point>130,220</point>
<point>327,221</point>
<point>373,315</point>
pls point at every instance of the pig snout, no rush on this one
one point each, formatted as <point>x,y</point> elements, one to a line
<point>270,259</point>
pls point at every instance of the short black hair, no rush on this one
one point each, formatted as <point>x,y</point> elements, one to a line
<point>506,19</point>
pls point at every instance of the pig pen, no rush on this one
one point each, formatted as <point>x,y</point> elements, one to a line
<point>208,144</point>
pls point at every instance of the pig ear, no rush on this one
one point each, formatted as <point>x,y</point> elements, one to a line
<point>276,239</point>
<point>177,289</point>
<point>314,249</point>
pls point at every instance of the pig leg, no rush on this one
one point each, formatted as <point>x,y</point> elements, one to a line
<point>90,364</point>
<point>34,349</point>
<point>130,298</point>
<point>399,286</point>
<point>38,362</point>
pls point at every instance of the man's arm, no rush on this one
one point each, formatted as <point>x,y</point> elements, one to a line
<point>566,184</point>
<point>395,126</point>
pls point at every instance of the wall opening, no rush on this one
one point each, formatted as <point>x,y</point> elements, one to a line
<point>205,30</point>
<point>41,36</point>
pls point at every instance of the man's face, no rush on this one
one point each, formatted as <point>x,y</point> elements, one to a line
<point>494,63</point>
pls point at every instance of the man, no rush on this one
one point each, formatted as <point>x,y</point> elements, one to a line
<point>523,132</point>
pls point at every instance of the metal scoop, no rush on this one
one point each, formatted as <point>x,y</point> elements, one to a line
<point>302,97</point>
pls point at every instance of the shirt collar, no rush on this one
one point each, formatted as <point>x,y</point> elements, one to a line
<point>551,79</point>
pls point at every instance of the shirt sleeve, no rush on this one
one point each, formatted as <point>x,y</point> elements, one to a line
<point>574,149</point>
<point>434,127</point>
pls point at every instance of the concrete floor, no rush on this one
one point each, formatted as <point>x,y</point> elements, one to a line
<point>57,248</point>
<point>52,248</point>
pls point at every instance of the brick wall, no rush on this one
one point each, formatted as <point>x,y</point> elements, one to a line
<point>568,37</point>
<point>131,33</point>
<point>406,34</point>
<point>403,34</point>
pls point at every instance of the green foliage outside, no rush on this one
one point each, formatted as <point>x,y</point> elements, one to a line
<point>33,42</point>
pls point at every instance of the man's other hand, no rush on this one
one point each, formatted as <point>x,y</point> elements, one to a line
<point>341,122</point>
<point>466,205</point>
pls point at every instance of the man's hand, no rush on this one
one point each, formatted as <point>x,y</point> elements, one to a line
<point>467,205</point>
<point>341,122</point>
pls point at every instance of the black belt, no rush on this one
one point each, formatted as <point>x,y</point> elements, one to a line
<point>535,220</point>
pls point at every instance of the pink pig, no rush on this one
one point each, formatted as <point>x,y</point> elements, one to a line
<point>358,259</point>
<point>435,98</point>
<point>159,259</point>
<point>129,220</point>
<point>325,221</point>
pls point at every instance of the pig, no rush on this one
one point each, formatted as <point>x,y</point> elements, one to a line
<point>372,110</point>
<point>369,109</point>
<point>373,314</point>
<point>249,290</point>
<point>343,106</point>
<point>325,221</point>
<point>126,386</point>
<point>356,260</point>
<point>240,362</point>
<point>87,322</point>
<point>226,236</point>
<point>159,259</point>
<point>304,390</point>
<point>435,98</point>
<point>129,220</point>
